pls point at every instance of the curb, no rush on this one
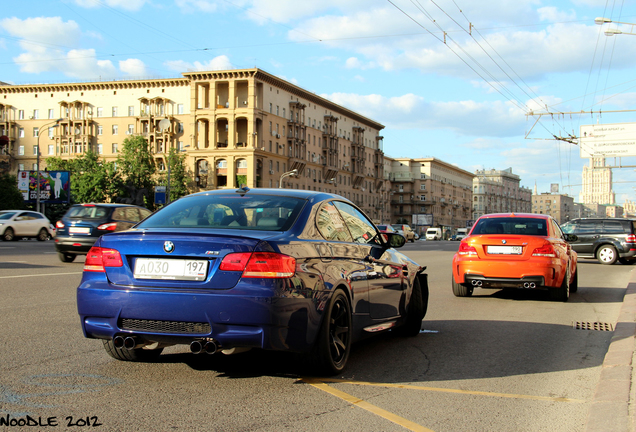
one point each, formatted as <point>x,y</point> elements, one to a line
<point>611,409</point>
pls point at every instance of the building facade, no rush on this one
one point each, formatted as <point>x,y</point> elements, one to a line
<point>597,183</point>
<point>560,207</point>
<point>235,127</point>
<point>429,192</point>
<point>499,191</point>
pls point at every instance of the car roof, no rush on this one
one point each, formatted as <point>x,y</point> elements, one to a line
<point>106,205</point>
<point>512,215</point>
<point>294,193</point>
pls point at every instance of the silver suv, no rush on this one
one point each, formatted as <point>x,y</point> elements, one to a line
<point>406,231</point>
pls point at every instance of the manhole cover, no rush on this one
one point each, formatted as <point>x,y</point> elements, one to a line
<point>599,326</point>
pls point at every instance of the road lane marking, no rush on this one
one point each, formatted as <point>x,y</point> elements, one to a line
<point>319,384</point>
<point>449,390</point>
<point>36,275</point>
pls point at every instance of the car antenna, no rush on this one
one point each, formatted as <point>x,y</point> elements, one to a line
<point>242,190</point>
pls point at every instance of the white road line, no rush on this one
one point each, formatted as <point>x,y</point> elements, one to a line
<point>36,275</point>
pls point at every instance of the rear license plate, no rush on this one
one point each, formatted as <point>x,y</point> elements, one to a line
<point>79,230</point>
<point>504,250</point>
<point>171,269</point>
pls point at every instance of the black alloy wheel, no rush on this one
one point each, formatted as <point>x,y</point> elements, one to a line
<point>563,292</point>
<point>333,345</point>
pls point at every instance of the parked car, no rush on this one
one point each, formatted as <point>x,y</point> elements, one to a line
<point>83,224</point>
<point>16,224</point>
<point>386,228</point>
<point>434,234</point>
<point>405,230</point>
<point>516,251</point>
<point>606,239</point>
<point>226,271</point>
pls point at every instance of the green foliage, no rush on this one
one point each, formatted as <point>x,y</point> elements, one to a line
<point>10,196</point>
<point>136,163</point>
<point>241,180</point>
<point>178,177</point>
<point>92,179</point>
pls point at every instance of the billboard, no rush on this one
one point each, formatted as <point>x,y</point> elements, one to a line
<point>422,219</point>
<point>55,186</point>
<point>608,140</point>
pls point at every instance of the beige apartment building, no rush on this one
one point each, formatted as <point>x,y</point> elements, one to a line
<point>498,191</point>
<point>235,127</point>
<point>560,207</point>
<point>596,185</point>
<point>428,192</point>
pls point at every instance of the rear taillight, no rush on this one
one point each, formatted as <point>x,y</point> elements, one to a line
<point>98,258</point>
<point>59,224</point>
<point>544,251</point>
<point>631,238</point>
<point>260,264</point>
<point>465,249</point>
<point>112,226</point>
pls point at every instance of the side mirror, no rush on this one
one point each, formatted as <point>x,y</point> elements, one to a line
<point>394,240</point>
<point>570,238</point>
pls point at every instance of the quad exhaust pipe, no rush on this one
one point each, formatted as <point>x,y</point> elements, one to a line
<point>529,285</point>
<point>128,342</point>
<point>201,346</point>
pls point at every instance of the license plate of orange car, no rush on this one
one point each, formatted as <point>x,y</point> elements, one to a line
<point>504,250</point>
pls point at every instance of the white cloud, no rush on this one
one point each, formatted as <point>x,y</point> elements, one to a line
<point>83,64</point>
<point>133,67</point>
<point>193,6</point>
<point>130,5</point>
<point>221,62</point>
<point>39,33</point>
<point>553,14</point>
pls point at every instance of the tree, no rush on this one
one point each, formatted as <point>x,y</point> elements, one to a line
<point>178,176</point>
<point>10,197</point>
<point>92,179</point>
<point>137,165</point>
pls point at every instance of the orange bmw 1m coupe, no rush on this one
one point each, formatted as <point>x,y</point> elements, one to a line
<point>516,250</point>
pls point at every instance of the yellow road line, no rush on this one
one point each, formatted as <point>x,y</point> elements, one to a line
<point>366,406</point>
<point>447,390</point>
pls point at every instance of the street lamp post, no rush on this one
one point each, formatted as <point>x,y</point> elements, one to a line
<point>293,172</point>
<point>612,32</point>
<point>37,198</point>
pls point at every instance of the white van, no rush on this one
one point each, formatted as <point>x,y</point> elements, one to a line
<point>434,234</point>
<point>461,233</point>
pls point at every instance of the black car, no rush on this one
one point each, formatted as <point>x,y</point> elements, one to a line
<point>606,239</point>
<point>83,224</point>
<point>225,271</point>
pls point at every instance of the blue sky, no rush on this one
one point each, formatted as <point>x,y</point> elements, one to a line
<point>452,79</point>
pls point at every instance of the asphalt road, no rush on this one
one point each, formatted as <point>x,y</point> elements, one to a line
<point>498,361</point>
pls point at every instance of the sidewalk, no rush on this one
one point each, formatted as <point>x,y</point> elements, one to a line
<point>612,408</point>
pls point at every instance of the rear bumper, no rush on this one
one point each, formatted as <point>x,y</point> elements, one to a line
<point>245,316</point>
<point>76,245</point>
<point>543,272</point>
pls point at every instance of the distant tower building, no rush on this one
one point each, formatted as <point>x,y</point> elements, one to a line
<point>597,183</point>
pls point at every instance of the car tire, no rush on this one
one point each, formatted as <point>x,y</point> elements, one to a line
<point>627,261</point>
<point>333,344</point>
<point>8,235</point>
<point>134,355</point>
<point>574,285</point>
<point>561,293</point>
<point>461,290</point>
<point>43,235</point>
<point>66,257</point>
<point>415,312</point>
<point>412,239</point>
<point>607,254</point>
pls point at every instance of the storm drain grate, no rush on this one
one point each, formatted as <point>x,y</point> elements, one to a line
<point>593,326</point>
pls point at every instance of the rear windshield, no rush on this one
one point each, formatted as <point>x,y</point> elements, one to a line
<point>523,226</point>
<point>87,212</point>
<point>228,211</point>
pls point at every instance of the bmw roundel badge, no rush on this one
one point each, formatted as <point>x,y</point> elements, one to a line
<point>168,246</point>
<point>503,241</point>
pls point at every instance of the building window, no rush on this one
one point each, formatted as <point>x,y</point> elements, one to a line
<point>179,108</point>
<point>180,127</point>
<point>114,148</point>
<point>100,112</point>
<point>51,149</point>
<point>181,148</point>
<point>115,129</point>
<point>36,114</point>
<point>131,111</point>
<point>21,115</point>
<point>20,167</point>
<point>100,130</point>
<point>114,111</point>
<point>36,132</point>
<point>51,113</point>
<point>21,151</point>
<point>131,129</point>
<point>51,132</point>
<point>36,150</point>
